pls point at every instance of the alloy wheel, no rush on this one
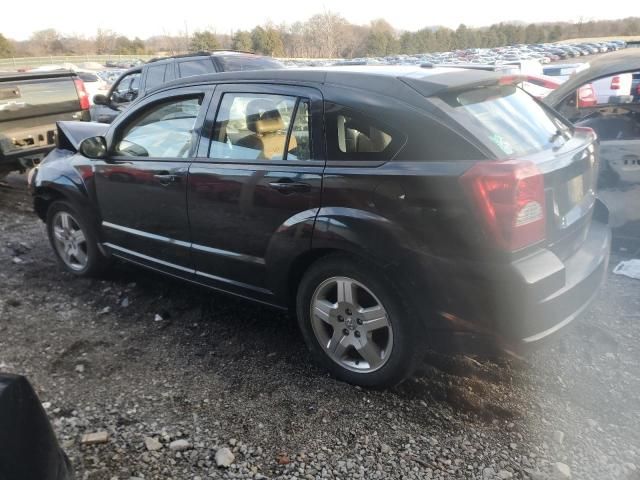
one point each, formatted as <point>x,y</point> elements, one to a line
<point>351,324</point>
<point>70,241</point>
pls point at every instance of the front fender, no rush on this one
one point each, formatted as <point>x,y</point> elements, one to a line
<point>67,176</point>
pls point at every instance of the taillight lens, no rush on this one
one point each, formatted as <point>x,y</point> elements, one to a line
<point>615,82</point>
<point>510,198</point>
<point>82,94</point>
<point>587,96</point>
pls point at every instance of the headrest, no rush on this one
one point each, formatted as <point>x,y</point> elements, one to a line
<point>263,117</point>
<point>269,125</point>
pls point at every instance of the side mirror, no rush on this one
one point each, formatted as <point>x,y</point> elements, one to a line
<point>100,99</point>
<point>94,148</point>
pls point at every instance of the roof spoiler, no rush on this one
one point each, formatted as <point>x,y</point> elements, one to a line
<point>453,81</point>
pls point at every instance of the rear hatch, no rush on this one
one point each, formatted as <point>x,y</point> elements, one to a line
<point>529,142</point>
<point>27,95</point>
<point>30,105</point>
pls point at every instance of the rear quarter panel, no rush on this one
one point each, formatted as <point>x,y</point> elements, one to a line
<point>410,218</point>
<point>409,215</point>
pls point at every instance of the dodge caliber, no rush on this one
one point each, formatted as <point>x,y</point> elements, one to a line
<point>385,206</point>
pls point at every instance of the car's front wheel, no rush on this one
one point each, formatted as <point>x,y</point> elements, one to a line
<point>356,324</point>
<point>74,240</point>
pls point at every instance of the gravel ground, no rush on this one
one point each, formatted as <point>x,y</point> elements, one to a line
<point>151,361</point>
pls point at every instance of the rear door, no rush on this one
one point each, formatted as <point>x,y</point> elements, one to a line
<point>255,185</point>
<point>141,188</point>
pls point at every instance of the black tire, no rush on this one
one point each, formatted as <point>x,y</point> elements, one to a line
<point>406,331</point>
<point>96,262</point>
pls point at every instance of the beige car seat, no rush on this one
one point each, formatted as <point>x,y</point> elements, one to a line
<point>269,133</point>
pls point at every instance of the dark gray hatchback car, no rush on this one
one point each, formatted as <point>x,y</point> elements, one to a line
<point>386,206</point>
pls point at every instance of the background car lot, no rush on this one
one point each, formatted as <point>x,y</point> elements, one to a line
<point>155,358</point>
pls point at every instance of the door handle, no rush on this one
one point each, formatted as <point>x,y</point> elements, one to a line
<point>287,186</point>
<point>166,178</point>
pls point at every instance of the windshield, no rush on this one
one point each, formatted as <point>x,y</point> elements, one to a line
<point>509,118</point>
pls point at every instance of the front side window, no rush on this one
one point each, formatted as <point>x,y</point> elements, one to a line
<point>164,131</point>
<point>261,127</point>
<point>127,89</point>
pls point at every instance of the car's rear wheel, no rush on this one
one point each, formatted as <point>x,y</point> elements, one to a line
<point>74,240</point>
<point>356,324</point>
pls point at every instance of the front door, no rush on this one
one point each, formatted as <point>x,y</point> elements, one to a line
<point>122,93</point>
<point>141,188</point>
<point>254,188</point>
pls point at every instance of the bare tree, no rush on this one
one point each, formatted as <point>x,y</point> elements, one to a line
<point>105,41</point>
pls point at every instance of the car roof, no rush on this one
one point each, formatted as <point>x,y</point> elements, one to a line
<point>209,53</point>
<point>7,76</point>
<point>608,64</point>
<point>382,79</point>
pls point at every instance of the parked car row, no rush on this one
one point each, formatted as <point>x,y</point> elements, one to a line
<point>542,52</point>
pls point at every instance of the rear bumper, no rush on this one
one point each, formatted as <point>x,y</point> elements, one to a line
<point>583,274</point>
<point>531,299</point>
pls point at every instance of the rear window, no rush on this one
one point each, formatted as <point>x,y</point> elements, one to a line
<point>508,118</point>
<point>37,97</point>
<point>236,63</point>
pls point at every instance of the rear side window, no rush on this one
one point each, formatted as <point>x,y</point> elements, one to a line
<point>195,67</point>
<point>155,76</point>
<point>354,136</point>
<point>508,118</point>
<point>236,63</point>
<point>261,127</point>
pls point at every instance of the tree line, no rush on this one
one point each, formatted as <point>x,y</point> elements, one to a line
<point>325,35</point>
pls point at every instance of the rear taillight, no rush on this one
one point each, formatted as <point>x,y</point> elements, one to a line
<point>510,198</point>
<point>615,82</point>
<point>587,96</point>
<point>82,94</point>
<point>638,89</point>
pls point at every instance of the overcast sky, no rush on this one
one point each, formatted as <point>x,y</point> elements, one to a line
<point>139,18</point>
